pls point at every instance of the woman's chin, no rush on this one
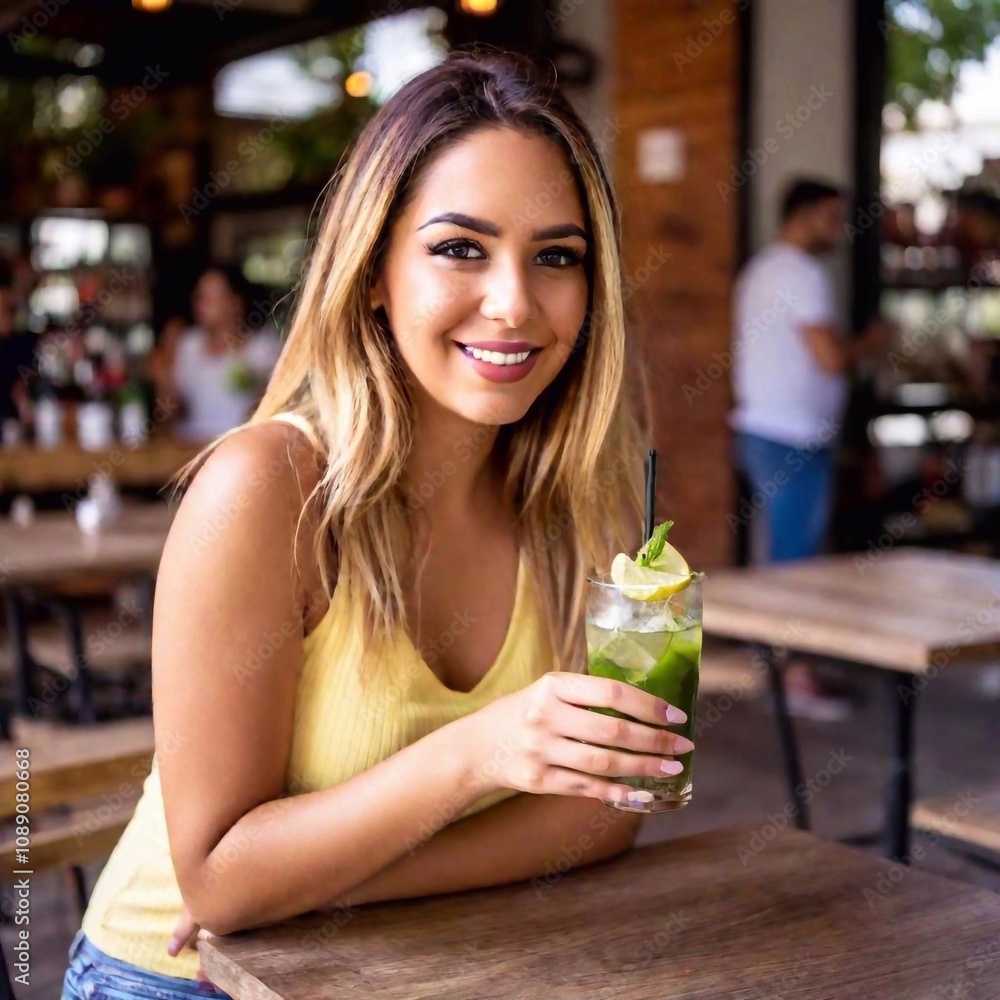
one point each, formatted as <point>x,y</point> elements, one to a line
<point>494,412</point>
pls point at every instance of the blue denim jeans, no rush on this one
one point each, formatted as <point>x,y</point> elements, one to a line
<point>792,489</point>
<point>93,975</point>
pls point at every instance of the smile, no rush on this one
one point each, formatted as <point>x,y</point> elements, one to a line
<point>499,365</point>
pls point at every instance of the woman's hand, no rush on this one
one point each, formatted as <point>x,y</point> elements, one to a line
<point>542,739</point>
<point>186,936</point>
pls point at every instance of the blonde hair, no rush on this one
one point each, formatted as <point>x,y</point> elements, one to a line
<point>573,463</point>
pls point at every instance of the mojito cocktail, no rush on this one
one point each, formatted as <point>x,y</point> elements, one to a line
<point>644,628</point>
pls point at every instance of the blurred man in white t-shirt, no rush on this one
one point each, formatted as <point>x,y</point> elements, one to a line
<point>791,369</point>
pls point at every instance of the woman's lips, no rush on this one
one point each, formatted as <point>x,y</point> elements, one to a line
<point>502,373</point>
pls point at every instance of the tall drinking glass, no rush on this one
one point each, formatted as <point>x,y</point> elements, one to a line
<point>654,646</point>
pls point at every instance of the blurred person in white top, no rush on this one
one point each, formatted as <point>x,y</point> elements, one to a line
<point>211,375</point>
<point>791,379</point>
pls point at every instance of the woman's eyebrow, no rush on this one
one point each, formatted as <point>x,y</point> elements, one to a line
<point>490,229</point>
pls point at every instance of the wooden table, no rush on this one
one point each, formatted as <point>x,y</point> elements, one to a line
<point>706,917</point>
<point>52,548</point>
<point>910,613</point>
<point>27,469</point>
<point>980,827</point>
<point>85,782</point>
<point>76,763</point>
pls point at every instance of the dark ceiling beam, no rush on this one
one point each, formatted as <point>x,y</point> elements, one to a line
<point>326,18</point>
<point>12,13</point>
<point>17,65</point>
<point>190,42</point>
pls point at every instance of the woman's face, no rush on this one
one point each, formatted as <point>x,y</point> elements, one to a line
<point>484,284</point>
<point>214,304</point>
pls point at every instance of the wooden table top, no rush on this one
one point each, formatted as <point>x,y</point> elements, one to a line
<point>909,609</point>
<point>718,914</point>
<point>27,469</point>
<point>68,763</point>
<point>979,824</point>
<point>53,547</point>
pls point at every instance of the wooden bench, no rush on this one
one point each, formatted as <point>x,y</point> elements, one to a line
<point>118,652</point>
<point>971,818</point>
<point>115,644</point>
<point>85,782</point>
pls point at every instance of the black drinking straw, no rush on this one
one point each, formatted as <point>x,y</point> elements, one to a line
<point>650,491</point>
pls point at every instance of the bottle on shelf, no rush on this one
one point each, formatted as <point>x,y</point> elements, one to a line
<point>49,414</point>
<point>95,415</point>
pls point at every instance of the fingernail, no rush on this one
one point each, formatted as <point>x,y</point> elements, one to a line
<point>639,798</point>
<point>675,715</point>
<point>173,947</point>
<point>682,744</point>
<point>671,766</point>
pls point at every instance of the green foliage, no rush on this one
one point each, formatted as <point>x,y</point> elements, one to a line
<point>316,144</point>
<point>928,40</point>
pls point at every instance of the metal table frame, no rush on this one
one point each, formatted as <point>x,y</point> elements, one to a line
<point>899,779</point>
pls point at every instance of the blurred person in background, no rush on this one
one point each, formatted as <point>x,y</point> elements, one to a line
<point>211,375</point>
<point>791,378</point>
<point>17,355</point>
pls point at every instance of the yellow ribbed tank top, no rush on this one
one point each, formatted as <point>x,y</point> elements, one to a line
<point>352,710</point>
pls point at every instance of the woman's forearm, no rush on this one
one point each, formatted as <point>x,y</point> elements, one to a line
<point>528,836</point>
<point>295,854</point>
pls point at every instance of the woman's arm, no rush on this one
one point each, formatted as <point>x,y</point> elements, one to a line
<point>544,835</point>
<point>244,854</point>
<point>163,372</point>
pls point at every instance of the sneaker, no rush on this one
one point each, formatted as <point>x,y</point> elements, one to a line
<point>808,697</point>
<point>988,683</point>
<point>822,707</point>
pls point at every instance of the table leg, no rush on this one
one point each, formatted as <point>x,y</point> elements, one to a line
<point>899,783</point>
<point>84,683</point>
<point>17,623</point>
<point>6,990</point>
<point>786,734</point>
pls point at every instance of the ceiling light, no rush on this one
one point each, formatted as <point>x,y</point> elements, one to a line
<point>483,8</point>
<point>358,84</point>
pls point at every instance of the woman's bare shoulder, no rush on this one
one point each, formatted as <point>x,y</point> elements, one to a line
<point>254,487</point>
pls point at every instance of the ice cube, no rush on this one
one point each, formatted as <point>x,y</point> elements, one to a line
<point>611,617</point>
<point>626,653</point>
<point>659,623</point>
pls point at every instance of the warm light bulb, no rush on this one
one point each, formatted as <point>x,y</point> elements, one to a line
<point>151,6</point>
<point>359,84</point>
<point>480,7</point>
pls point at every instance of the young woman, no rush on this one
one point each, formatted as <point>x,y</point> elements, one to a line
<point>368,633</point>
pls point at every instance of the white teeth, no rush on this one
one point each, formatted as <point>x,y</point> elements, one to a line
<point>497,358</point>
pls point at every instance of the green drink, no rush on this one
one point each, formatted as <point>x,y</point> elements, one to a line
<point>650,639</point>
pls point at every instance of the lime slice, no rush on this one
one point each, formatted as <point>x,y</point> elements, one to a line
<point>644,583</point>
<point>669,561</point>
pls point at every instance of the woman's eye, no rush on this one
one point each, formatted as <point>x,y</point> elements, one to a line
<point>459,250</point>
<point>468,250</point>
<point>560,257</point>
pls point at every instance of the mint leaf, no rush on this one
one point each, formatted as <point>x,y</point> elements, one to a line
<point>654,545</point>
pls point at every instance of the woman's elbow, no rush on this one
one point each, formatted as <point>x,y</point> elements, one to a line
<point>615,839</point>
<point>628,832</point>
<point>208,900</point>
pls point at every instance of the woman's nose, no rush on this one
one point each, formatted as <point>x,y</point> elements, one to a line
<point>508,296</point>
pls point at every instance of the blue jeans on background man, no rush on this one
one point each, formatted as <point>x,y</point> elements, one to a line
<point>792,489</point>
